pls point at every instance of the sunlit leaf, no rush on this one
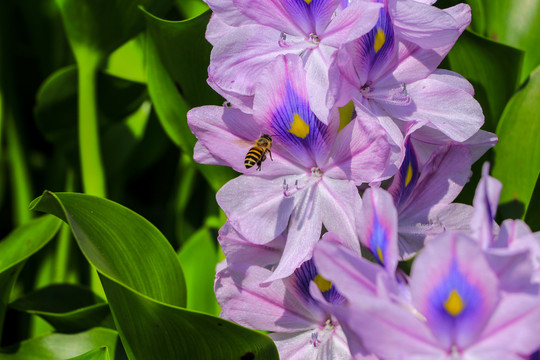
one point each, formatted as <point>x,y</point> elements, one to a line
<point>144,285</point>
<point>516,23</point>
<point>198,258</point>
<point>68,308</point>
<point>65,346</point>
<point>517,156</point>
<point>97,354</point>
<point>18,246</point>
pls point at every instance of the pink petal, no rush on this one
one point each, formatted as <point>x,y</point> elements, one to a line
<point>305,227</point>
<point>447,107</point>
<point>270,308</point>
<point>453,262</point>
<point>361,152</point>
<point>256,207</point>
<point>425,25</point>
<point>240,56</point>
<point>237,133</point>
<point>351,23</point>
<point>342,204</point>
<point>291,17</point>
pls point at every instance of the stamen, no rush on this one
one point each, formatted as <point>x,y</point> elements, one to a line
<point>314,38</point>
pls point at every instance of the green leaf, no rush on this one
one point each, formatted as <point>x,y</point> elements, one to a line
<point>18,246</point>
<point>517,155</point>
<point>68,308</point>
<point>100,26</point>
<point>493,69</point>
<point>172,112</point>
<point>97,354</point>
<point>191,51</point>
<point>516,23</point>
<point>127,62</point>
<point>64,346</point>
<point>120,243</point>
<point>198,258</point>
<point>144,285</point>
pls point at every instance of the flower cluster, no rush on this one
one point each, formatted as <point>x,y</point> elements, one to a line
<point>321,184</point>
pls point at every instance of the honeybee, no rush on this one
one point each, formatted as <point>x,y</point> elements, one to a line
<point>257,154</point>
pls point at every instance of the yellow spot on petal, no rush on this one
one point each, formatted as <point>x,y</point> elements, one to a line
<point>307,1</point>
<point>299,127</point>
<point>322,283</point>
<point>380,255</point>
<point>454,304</point>
<point>380,38</point>
<point>408,178</point>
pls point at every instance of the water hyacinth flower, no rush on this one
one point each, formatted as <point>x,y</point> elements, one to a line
<point>423,195</point>
<point>390,71</point>
<point>247,35</point>
<point>301,328</point>
<point>312,177</point>
<point>456,309</point>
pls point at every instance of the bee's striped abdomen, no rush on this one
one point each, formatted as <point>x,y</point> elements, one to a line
<point>253,156</point>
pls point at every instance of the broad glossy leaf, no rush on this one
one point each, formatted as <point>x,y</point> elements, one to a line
<point>493,69</point>
<point>120,243</point>
<point>68,308</point>
<point>145,287</point>
<point>97,354</point>
<point>166,332</point>
<point>181,45</point>
<point>172,109</point>
<point>517,155</point>
<point>516,23</point>
<point>64,346</point>
<point>199,258</point>
<point>18,246</point>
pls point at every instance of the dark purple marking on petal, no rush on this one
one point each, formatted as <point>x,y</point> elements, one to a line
<point>405,180</point>
<point>377,46</point>
<point>307,273</point>
<point>297,128</point>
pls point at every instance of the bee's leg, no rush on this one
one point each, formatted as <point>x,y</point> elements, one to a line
<point>259,163</point>
<point>269,152</point>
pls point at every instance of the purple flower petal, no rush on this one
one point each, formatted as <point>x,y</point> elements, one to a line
<point>237,133</point>
<point>238,59</point>
<point>270,308</point>
<point>447,107</point>
<point>238,249</point>
<point>425,25</point>
<point>256,207</point>
<point>453,286</point>
<point>485,204</point>
<point>377,227</point>
<point>361,152</point>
